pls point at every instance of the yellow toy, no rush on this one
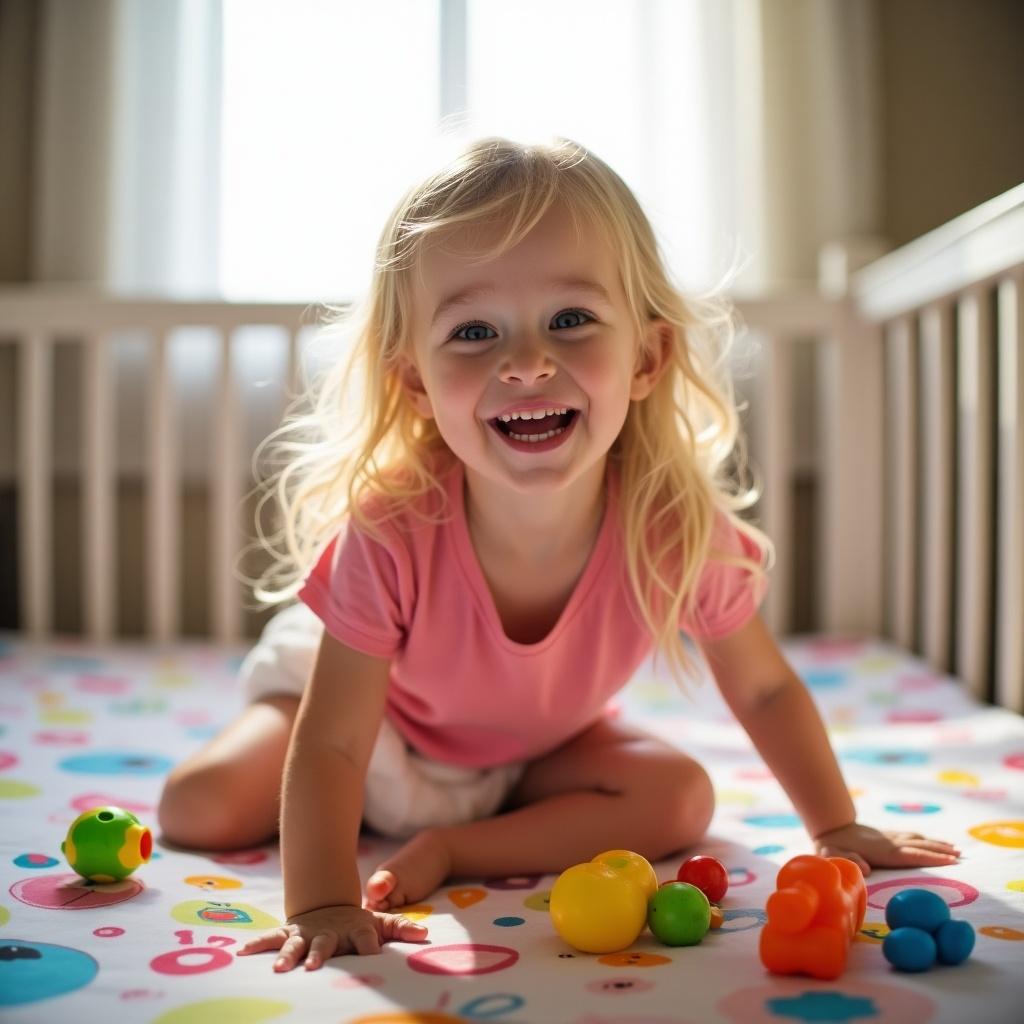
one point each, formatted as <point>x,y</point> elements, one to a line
<point>601,906</point>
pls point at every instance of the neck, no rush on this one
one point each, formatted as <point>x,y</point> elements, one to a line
<point>535,529</point>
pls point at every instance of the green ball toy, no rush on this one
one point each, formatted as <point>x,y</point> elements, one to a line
<point>679,914</point>
<point>106,844</point>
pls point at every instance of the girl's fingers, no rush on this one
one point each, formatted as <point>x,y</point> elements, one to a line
<point>364,940</point>
<point>291,951</point>
<point>921,855</point>
<point>396,927</point>
<point>268,940</point>
<point>321,948</point>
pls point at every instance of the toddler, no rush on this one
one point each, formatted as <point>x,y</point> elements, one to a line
<point>539,490</point>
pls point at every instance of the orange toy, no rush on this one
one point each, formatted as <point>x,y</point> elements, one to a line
<point>813,915</point>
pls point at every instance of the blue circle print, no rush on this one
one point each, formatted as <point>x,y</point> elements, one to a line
<point>770,848</point>
<point>824,678</point>
<point>772,820</point>
<point>913,808</point>
<point>35,860</point>
<point>827,1006</point>
<point>117,762</point>
<point>874,756</point>
<point>509,922</point>
<point>30,971</point>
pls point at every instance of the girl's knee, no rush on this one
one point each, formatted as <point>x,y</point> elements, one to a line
<point>205,808</point>
<point>686,797</point>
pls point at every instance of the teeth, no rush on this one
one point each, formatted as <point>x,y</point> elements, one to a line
<point>536,414</point>
<point>535,438</point>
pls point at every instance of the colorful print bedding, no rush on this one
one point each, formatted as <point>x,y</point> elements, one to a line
<point>82,726</point>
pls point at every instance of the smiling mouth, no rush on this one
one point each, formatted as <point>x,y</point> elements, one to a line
<point>534,428</point>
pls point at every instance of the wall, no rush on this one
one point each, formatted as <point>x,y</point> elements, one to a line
<point>952,79</point>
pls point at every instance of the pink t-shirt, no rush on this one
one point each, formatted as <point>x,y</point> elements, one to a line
<point>461,691</point>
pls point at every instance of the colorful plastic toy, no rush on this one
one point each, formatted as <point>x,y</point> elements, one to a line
<point>632,866</point>
<point>813,915</point>
<point>106,844</point>
<point>596,908</point>
<point>679,914</point>
<point>707,873</point>
<point>923,932</point>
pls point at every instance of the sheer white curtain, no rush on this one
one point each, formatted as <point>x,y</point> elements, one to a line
<point>254,147</point>
<point>126,160</point>
<point>331,110</point>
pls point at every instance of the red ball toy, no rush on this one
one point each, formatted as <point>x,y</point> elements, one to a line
<point>706,873</point>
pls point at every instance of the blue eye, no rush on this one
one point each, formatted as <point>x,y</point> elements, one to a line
<point>577,314</point>
<point>458,332</point>
<point>476,331</point>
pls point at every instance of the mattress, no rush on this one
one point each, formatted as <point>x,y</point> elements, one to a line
<point>82,726</point>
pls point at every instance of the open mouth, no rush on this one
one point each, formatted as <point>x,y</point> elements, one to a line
<point>535,430</point>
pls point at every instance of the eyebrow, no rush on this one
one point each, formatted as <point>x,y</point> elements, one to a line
<point>474,292</point>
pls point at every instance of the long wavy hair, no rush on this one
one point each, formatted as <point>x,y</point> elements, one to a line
<point>353,446</point>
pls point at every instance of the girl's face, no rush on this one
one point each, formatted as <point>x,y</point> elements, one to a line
<point>547,324</point>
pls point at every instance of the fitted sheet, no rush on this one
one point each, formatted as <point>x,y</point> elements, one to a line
<point>83,725</point>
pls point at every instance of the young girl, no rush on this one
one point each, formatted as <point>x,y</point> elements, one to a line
<point>536,494</point>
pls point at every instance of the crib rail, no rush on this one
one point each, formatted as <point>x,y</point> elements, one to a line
<point>948,311</point>
<point>36,318</point>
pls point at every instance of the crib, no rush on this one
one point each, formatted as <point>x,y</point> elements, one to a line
<point>896,501</point>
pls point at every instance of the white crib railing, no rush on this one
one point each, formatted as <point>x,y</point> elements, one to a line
<point>917,453</point>
<point>948,306</point>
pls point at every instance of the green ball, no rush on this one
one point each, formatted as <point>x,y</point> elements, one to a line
<point>679,914</point>
<point>106,844</point>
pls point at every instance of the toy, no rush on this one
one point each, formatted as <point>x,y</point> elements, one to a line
<point>679,914</point>
<point>632,866</point>
<point>106,844</point>
<point>813,915</point>
<point>923,932</point>
<point>596,908</point>
<point>707,873</point>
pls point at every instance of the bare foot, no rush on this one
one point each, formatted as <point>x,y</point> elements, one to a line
<point>414,872</point>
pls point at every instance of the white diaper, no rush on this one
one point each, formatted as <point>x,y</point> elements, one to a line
<point>405,792</point>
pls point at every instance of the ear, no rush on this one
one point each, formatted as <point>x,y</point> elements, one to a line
<point>412,384</point>
<point>659,336</point>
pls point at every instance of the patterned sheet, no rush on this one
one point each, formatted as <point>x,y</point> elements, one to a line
<point>81,726</point>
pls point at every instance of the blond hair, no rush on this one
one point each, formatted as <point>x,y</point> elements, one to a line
<point>356,437</point>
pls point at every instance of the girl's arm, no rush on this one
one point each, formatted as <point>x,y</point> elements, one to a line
<point>773,706</point>
<point>321,810</point>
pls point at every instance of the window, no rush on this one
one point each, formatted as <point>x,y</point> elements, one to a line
<point>331,110</point>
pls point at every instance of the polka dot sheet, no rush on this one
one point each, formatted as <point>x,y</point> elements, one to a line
<point>83,726</point>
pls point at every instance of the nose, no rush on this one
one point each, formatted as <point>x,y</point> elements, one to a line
<point>525,360</point>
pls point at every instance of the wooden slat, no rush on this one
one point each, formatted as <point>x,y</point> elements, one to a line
<point>937,409</point>
<point>849,543</point>
<point>772,443</point>
<point>226,494</point>
<point>901,480</point>
<point>99,568</point>
<point>35,483</point>
<point>1009,641</point>
<point>163,539</point>
<point>974,540</point>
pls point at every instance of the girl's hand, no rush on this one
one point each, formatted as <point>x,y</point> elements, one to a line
<point>868,847</point>
<point>332,931</point>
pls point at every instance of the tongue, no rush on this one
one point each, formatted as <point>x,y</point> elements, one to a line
<point>541,426</point>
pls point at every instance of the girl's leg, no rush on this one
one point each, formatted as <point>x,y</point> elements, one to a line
<point>611,787</point>
<point>227,796</point>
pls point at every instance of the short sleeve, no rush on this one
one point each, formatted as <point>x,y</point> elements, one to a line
<point>727,595</point>
<point>355,589</point>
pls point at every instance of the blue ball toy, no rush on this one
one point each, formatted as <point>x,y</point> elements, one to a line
<point>954,941</point>
<point>916,908</point>
<point>909,949</point>
<point>923,932</point>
